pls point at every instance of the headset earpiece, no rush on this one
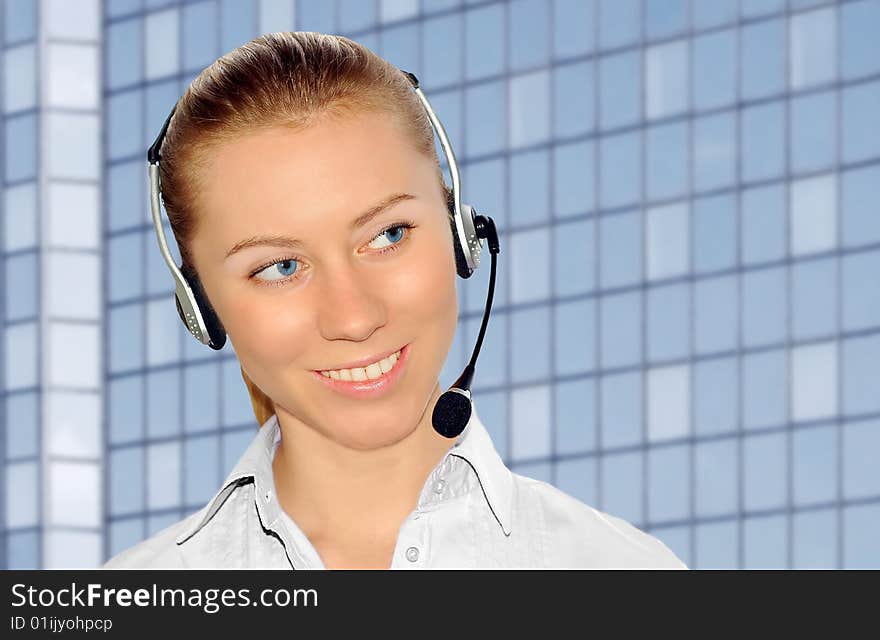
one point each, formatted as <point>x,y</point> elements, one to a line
<point>461,265</point>
<point>215,328</point>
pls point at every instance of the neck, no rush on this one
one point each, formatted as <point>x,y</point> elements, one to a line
<point>333,491</point>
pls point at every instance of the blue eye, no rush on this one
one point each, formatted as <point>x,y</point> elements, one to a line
<point>285,268</point>
<point>394,234</point>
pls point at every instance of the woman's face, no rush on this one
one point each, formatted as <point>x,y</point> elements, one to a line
<point>346,292</point>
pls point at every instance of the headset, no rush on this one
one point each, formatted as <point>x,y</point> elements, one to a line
<point>453,409</point>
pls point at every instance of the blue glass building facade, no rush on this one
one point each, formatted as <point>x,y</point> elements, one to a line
<point>686,328</point>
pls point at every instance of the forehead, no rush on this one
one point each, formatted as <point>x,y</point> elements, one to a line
<point>331,159</point>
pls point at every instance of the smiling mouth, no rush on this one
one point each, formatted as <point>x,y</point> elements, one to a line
<point>368,373</point>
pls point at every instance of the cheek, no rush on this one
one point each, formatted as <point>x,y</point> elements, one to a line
<point>263,331</point>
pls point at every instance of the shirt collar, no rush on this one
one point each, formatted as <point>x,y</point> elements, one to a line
<point>473,445</point>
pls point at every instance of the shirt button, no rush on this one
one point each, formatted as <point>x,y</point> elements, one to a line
<point>268,496</point>
<point>412,554</point>
<point>438,486</point>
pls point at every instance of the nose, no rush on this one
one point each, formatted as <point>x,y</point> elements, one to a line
<point>351,303</point>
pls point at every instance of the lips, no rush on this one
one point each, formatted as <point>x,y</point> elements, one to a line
<point>362,363</point>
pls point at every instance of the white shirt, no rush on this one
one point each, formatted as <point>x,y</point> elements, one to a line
<point>473,512</point>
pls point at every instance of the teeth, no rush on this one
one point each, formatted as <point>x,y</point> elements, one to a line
<point>370,372</point>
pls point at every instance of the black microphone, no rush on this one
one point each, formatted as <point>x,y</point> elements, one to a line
<point>453,409</point>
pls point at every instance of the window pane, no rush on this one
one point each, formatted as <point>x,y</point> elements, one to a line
<point>716,387</point>
<point>665,17</point>
<point>667,160</point>
<point>622,486</point>
<point>861,544</point>
<point>573,172</point>
<point>443,48</point>
<point>238,22</point>
<point>73,71</point>
<point>21,78</point>
<point>126,409</point>
<point>126,480</point>
<point>714,235</point>
<point>716,544</point>
<point>22,426</point>
<point>21,148</point>
<point>813,137</point>
<point>21,286</point>
<point>620,246</point>
<point>355,14</point>
<point>668,483</point>
<point>575,336</point>
<point>485,118</point>
<point>668,240</point>
<point>813,208</point>
<point>620,170</point>
<point>859,24</point>
<point>530,326</point>
<point>74,494</point>
<point>715,477</point>
<point>20,20</point>
<point>762,63</point>
<point>575,416</point>
<point>666,79</point>
<point>74,352</point>
<point>574,257</point>
<point>815,539</point>
<point>814,454</point>
<point>20,212</point>
<point>764,296</point>
<point>163,403</point>
<point>814,381</point>
<point>860,445</point>
<point>762,139</point>
<point>577,478</point>
<point>75,149</point>
<point>73,288</point>
<point>668,322</point>
<point>619,22</point>
<point>201,395</point>
<point>763,224</point>
<point>814,298</point>
<point>764,474</point>
<point>715,308</point>
<point>529,187</point>
<point>199,35</point>
<point>529,22</point>
<point>529,108</point>
<point>164,330</point>
<point>710,14</point>
<point>573,98</point>
<point>237,409</point>
<point>484,25</point>
<point>126,194</point>
<point>812,48</point>
<point>668,402</point>
<point>766,542</point>
<point>400,46</point>
<point>125,353</point>
<point>573,26</point>
<point>530,266</point>
<point>201,469</point>
<point>860,193</point>
<point>161,31</point>
<point>124,57</point>
<point>714,151</point>
<point>163,475</point>
<point>861,139</point>
<point>714,67</point>
<point>861,368</point>
<point>621,409</point>
<point>619,90</point>
<point>765,388</point>
<point>621,325</point>
<point>530,424</point>
<point>861,291</point>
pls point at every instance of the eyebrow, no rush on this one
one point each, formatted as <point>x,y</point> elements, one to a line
<point>291,243</point>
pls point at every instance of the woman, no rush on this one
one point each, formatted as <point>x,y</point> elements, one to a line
<point>304,190</point>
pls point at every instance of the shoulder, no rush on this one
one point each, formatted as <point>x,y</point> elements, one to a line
<point>159,551</point>
<point>578,535</point>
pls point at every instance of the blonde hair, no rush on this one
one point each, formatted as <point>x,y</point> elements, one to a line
<point>287,79</point>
